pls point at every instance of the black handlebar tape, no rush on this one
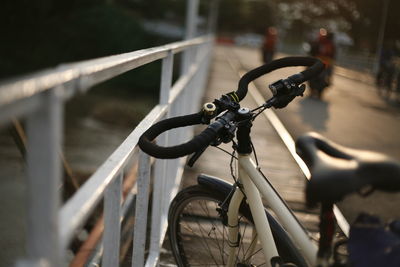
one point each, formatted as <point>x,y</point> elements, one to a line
<point>314,70</point>
<point>314,64</point>
<point>200,141</point>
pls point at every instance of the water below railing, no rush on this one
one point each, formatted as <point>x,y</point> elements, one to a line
<point>89,139</point>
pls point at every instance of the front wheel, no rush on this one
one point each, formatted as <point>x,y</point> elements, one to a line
<point>198,232</point>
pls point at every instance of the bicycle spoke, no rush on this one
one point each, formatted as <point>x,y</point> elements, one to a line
<point>204,243</point>
<point>254,253</point>
<point>200,237</point>
<point>187,226</point>
<point>214,232</point>
<point>243,235</point>
<point>250,245</point>
<point>214,228</point>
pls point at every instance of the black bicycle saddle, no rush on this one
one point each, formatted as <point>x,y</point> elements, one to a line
<point>337,171</point>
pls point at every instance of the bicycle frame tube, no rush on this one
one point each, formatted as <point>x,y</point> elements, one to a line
<point>254,184</point>
<point>260,220</point>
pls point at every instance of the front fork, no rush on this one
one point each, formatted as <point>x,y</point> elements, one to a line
<point>263,235</point>
<point>233,226</point>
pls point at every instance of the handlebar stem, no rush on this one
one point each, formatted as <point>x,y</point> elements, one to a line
<point>243,132</point>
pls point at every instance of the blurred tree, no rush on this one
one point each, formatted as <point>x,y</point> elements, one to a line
<point>26,25</point>
<point>237,16</point>
<point>260,15</point>
<point>230,17</point>
<point>44,33</point>
<point>157,9</point>
<point>360,18</point>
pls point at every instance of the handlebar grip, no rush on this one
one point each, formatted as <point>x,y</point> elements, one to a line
<point>314,70</point>
<point>314,64</point>
<point>198,142</point>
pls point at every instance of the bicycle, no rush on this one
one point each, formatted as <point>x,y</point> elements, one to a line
<point>215,223</point>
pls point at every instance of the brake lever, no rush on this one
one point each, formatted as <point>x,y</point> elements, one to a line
<point>195,157</point>
<point>284,91</point>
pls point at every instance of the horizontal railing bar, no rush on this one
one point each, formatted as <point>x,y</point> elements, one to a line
<point>88,73</point>
<point>19,108</point>
<point>77,209</point>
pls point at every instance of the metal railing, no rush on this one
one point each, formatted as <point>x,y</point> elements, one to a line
<point>40,100</point>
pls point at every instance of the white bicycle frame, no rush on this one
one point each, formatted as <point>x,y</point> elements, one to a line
<point>254,183</point>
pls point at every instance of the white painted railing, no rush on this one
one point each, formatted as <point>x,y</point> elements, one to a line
<point>40,100</point>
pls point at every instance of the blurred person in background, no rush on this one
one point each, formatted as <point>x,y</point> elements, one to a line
<point>323,48</point>
<point>387,67</point>
<point>269,44</point>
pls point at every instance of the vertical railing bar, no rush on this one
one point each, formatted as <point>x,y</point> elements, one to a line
<point>171,164</point>
<point>166,77</point>
<point>142,202</point>
<point>165,193</point>
<point>44,131</point>
<point>213,16</point>
<point>202,72</point>
<point>168,170</point>
<point>200,84</point>
<point>195,87</point>
<point>112,222</point>
<point>161,167</point>
<point>171,171</point>
<point>159,172</point>
<point>192,10</point>
<point>188,102</point>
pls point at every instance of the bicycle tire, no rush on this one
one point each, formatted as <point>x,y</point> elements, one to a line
<point>191,247</point>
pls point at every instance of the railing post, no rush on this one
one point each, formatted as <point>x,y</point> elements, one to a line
<point>166,83</point>
<point>192,9</point>
<point>142,203</point>
<point>112,222</point>
<point>50,226</point>
<point>213,16</point>
<point>160,168</point>
<point>44,131</point>
<point>166,77</point>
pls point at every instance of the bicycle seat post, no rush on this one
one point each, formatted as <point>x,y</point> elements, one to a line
<point>326,232</point>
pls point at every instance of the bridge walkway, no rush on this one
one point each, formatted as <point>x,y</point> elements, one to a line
<point>275,160</point>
